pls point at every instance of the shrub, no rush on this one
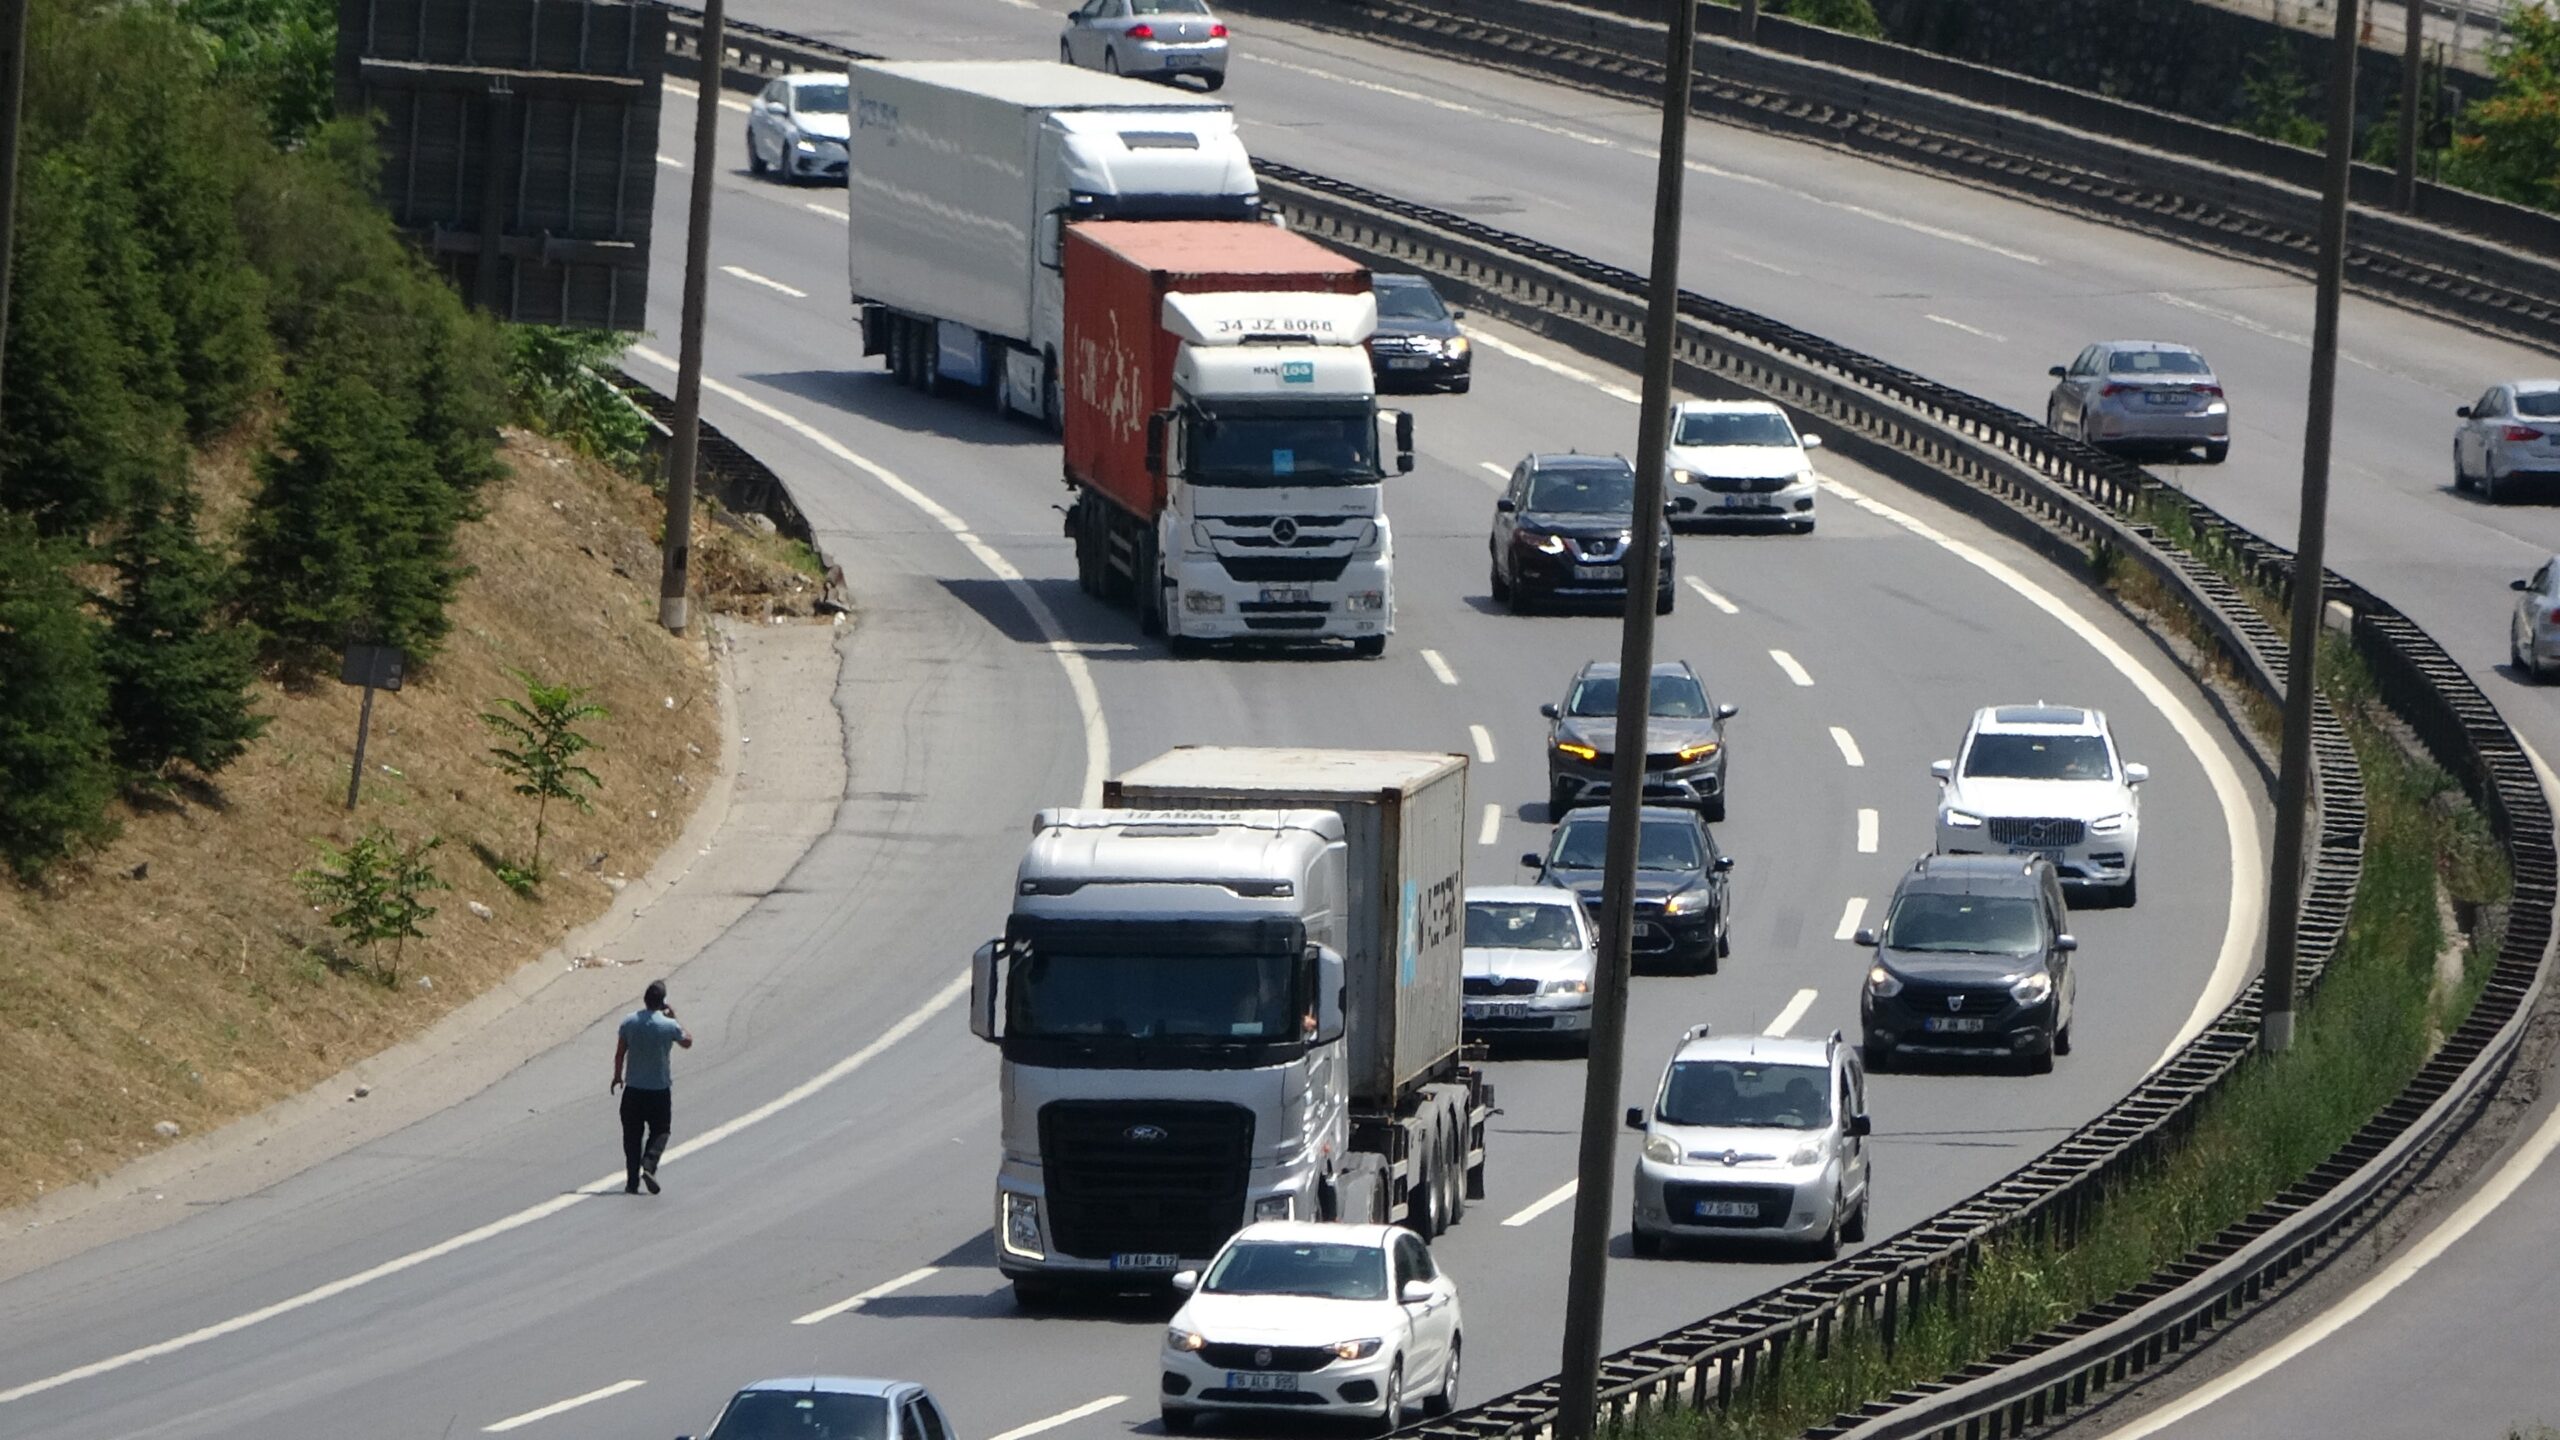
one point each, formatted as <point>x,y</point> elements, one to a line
<point>55,772</point>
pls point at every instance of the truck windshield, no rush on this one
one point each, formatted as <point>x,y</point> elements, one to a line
<point>1283,446</point>
<point>1176,998</point>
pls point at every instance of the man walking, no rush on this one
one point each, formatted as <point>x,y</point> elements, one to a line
<point>647,1043</point>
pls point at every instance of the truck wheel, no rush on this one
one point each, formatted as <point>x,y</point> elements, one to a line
<point>1053,399</point>
<point>1369,647</point>
<point>1456,1208</point>
<point>1422,1194</point>
<point>1150,583</point>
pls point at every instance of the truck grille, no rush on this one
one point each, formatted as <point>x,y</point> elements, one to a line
<point>2051,833</point>
<point>1680,1200</point>
<point>1145,1176</point>
<point>1301,1358</point>
<point>1284,569</point>
<point>1492,985</point>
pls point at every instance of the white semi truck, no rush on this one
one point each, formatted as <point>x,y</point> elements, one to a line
<point>1234,996</point>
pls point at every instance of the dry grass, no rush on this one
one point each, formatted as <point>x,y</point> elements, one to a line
<point>178,975</point>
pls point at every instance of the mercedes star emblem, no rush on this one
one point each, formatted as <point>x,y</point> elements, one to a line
<point>1284,531</point>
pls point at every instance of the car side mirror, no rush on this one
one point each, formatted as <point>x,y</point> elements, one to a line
<point>2136,774</point>
<point>1723,863</point>
<point>2519,584</point>
<point>1533,862</point>
<point>1416,1292</point>
<point>1504,506</point>
<point>2057,372</point>
<point>1635,1117</point>
<point>1457,314</point>
<point>1860,1127</point>
<point>2462,412</point>
<point>2066,943</point>
<point>1865,936</point>
<point>1549,710</point>
<point>1186,1281</point>
<point>1810,442</point>
<point>1944,770</point>
<point>1727,712</point>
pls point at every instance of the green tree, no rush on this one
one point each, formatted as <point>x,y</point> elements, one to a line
<point>372,891</point>
<point>179,669</point>
<point>2280,99</point>
<point>56,776</point>
<point>1855,17</point>
<point>554,376</point>
<point>2508,145</point>
<point>541,747</point>
<point>283,52</point>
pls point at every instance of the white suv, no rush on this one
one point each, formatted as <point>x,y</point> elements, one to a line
<point>1754,1137</point>
<point>2044,780</point>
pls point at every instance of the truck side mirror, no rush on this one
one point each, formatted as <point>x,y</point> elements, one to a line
<point>1404,442</point>
<point>1329,985</point>
<point>1053,237</point>
<point>1155,442</point>
<point>983,991</point>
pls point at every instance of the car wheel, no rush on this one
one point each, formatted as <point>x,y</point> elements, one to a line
<point>2041,1063</point>
<point>1369,647</point>
<point>1391,1414</point>
<point>2062,1041</point>
<point>1179,1422</point>
<point>1517,597</point>
<point>1034,1297</point>
<point>1724,941</point>
<point>1066,53</point>
<point>755,159</point>
<point>1803,527</point>
<point>1447,1400</point>
<point>1645,1243</point>
<point>2515,655</point>
<point>1827,1245</point>
<point>1877,1053</point>
<point>2461,477</point>
<point>2123,896</point>
<point>1215,80</point>
<point>2216,452</point>
<point>1459,386</point>
<point>1494,584</point>
<point>1558,799</point>
<point>1110,62</point>
<point>2489,483</point>
<point>1855,1231</point>
<point>1662,601</point>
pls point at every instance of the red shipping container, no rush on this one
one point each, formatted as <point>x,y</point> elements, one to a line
<point>1119,358</point>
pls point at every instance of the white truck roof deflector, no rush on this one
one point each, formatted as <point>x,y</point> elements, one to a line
<point>1244,317</point>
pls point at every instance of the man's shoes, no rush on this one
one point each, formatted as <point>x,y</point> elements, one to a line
<point>631,1187</point>
<point>650,1179</point>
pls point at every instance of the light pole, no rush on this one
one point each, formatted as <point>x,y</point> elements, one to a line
<point>684,448</point>
<point>2412,76</point>
<point>13,81</point>
<point>1593,1212</point>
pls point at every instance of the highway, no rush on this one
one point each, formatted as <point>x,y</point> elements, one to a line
<point>963,718</point>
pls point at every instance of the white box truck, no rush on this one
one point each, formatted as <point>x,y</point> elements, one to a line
<point>961,178</point>
<point>1234,996</point>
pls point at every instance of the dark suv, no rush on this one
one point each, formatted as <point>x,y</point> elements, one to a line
<point>1684,904</point>
<point>1561,533</point>
<point>1973,959</point>
<point>1684,740</point>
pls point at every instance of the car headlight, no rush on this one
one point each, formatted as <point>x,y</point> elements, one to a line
<point>1543,544</point>
<point>2109,824</point>
<point>1565,987</point>
<point>1356,1349</point>
<point>1700,751</point>
<point>1805,477</point>
<point>1881,981</point>
<point>1022,1226</point>
<point>1662,1149</point>
<point>1274,1207</point>
<point>1456,348</point>
<point>1186,1341</point>
<point>805,145</point>
<point>1960,819</point>
<point>1684,477</point>
<point>1577,750</point>
<point>2031,989</point>
<point>1806,1155</point>
<point>1690,902</point>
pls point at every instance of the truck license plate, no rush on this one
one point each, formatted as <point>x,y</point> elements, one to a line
<point>1728,1209</point>
<point>1285,595</point>
<point>1496,1009</point>
<point>1952,1024</point>
<point>1250,1380</point>
<point>1144,1261</point>
<point>1600,572</point>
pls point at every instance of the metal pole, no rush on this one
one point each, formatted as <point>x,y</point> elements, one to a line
<point>684,449</point>
<point>1593,1210</point>
<point>2293,778</point>
<point>364,727</point>
<point>2412,79</point>
<point>1747,28</point>
<point>13,81</point>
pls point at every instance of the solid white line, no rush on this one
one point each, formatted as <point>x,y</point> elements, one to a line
<point>1794,1012</point>
<point>671,162</point>
<point>1097,731</point>
<point>1763,264</point>
<point>573,1402</point>
<point>1795,672</point>
<point>690,92</point>
<point>1711,597</point>
<point>1499,472</point>
<point>886,1287</point>
<point>1866,832</point>
<point>1850,915</point>
<point>1484,743</point>
<point>832,212</point>
<point>767,282</point>
<point>1547,1202</point>
<point>1491,830</point>
<point>1556,367</point>
<point>1968,329</point>
<point>1439,667</point>
<point>1848,746</point>
<point>1063,1417</point>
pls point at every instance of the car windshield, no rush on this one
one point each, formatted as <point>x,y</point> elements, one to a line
<point>1521,925</point>
<point>2039,757</point>
<point>1328,1269</point>
<point>803,1415</point>
<point>1674,697</point>
<point>1971,924</point>
<point>1745,1093</point>
<point>1063,994</point>
<point>2157,362</point>
<point>2538,404</point>
<point>819,99</point>
<point>1584,490</point>
<point>1661,845</point>
<point>1409,302</point>
<point>1733,427</point>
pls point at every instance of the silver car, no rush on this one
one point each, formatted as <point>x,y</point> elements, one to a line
<point>2510,437</point>
<point>2142,397</point>
<point>1754,1137</point>
<point>1156,38</point>
<point>1531,959</point>
<point>797,127</point>
<point>2533,632</point>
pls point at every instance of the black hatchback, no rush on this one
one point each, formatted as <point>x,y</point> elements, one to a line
<point>1973,960</point>
<point>1562,531</point>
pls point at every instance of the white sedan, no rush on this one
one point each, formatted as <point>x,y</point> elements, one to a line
<point>2509,438</point>
<point>1740,462</point>
<point>1531,958</point>
<point>1300,1318</point>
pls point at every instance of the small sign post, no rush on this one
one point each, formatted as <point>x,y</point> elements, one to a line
<point>375,667</point>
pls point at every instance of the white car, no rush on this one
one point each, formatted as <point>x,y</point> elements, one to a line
<point>797,127</point>
<point>1531,958</point>
<point>1754,1137</point>
<point>1739,462</point>
<point>1158,39</point>
<point>2533,631</point>
<point>1295,1317</point>
<point>2045,780</point>
<point>2509,437</point>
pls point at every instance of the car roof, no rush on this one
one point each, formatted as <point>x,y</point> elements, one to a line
<point>2041,719</point>
<point>1522,895</point>
<point>2170,345</point>
<point>835,1385</point>
<point>1728,407</point>
<point>1775,1049</point>
<point>1974,874</point>
<point>1608,669</point>
<point>1321,1231</point>
<point>1577,460</point>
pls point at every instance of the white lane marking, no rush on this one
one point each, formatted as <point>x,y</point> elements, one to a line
<point>1583,137</point>
<point>1794,1012</point>
<point>1711,597</point>
<point>513,1422</point>
<point>692,92</point>
<point>915,1020</point>
<point>1795,672</point>
<point>671,162</point>
<point>2289,337</point>
<point>1850,914</point>
<point>1499,472</point>
<point>1545,1203</point>
<point>1934,232</point>
<point>832,212</point>
<point>1063,1417</point>
<point>1491,830</point>
<point>1439,667</point>
<point>1554,366</point>
<point>1848,744</point>
<point>743,273</point>
<point>1097,731</point>
<point>886,1287</point>
<point>1867,832</point>
<point>2242,918</point>
<point>1762,264</point>
<point>1484,743</point>
<point>1968,329</point>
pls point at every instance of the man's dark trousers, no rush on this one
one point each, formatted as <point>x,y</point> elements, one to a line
<point>646,1112</point>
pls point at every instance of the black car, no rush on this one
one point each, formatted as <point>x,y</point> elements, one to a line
<point>1974,959</point>
<point>1417,345</point>
<point>1684,758</point>
<point>1684,907</point>
<point>1561,533</point>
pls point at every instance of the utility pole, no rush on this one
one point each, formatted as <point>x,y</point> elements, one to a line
<point>674,573</point>
<point>1747,28</point>
<point>1593,1210</point>
<point>13,82</point>
<point>2293,777</point>
<point>2412,77</point>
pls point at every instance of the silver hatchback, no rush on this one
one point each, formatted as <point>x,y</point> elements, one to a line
<point>1159,39</point>
<point>2142,397</point>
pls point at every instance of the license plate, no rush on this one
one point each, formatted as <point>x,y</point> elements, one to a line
<point>1142,1261</point>
<point>1740,502</point>
<point>1406,362</point>
<point>1496,1009</point>
<point>1285,595</point>
<point>1177,60</point>
<point>2052,855</point>
<point>1952,1024</point>
<point>2168,397</point>
<point>1252,1380</point>
<point>1600,572</point>
<point>1728,1209</point>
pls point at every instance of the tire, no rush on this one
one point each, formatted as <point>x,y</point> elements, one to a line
<point>1495,585</point>
<point>1053,395</point>
<point>2489,484</point>
<point>1067,56</point>
<point>2041,1063</point>
<point>2215,454</point>
<point>1457,1207</point>
<point>2123,896</point>
<point>1877,1053</point>
<point>1421,1198</point>
<point>1517,599</point>
<point>1110,62</point>
<point>1447,1400</point>
<point>1150,585</point>
<point>2515,656</point>
<point>1827,1246</point>
<point>2461,477</point>
<point>2062,1041</point>
<point>1179,1422</point>
<point>1557,801</point>
<point>1663,601</point>
<point>1034,1297</point>
<point>1369,647</point>
<point>1802,527</point>
<point>755,159</point>
<point>1359,1195</point>
<point>1855,1229</point>
<point>1392,1414</point>
<point>1214,83</point>
<point>1646,1244</point>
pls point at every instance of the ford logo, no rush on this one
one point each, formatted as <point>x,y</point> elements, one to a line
<point>1144,1134</point>
<point>1284,531</point>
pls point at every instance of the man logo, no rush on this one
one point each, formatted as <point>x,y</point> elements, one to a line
<point>1297,372</point>
<point>1144,1134</point>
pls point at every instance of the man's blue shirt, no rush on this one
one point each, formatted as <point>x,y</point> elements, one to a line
<point>649,1038</point>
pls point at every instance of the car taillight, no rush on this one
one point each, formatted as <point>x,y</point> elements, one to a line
<point>2519,432</point>
<point>1217,32</point>
<point>2213,390</point>
<point>1142,32</point>
<point>2553,617</point>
